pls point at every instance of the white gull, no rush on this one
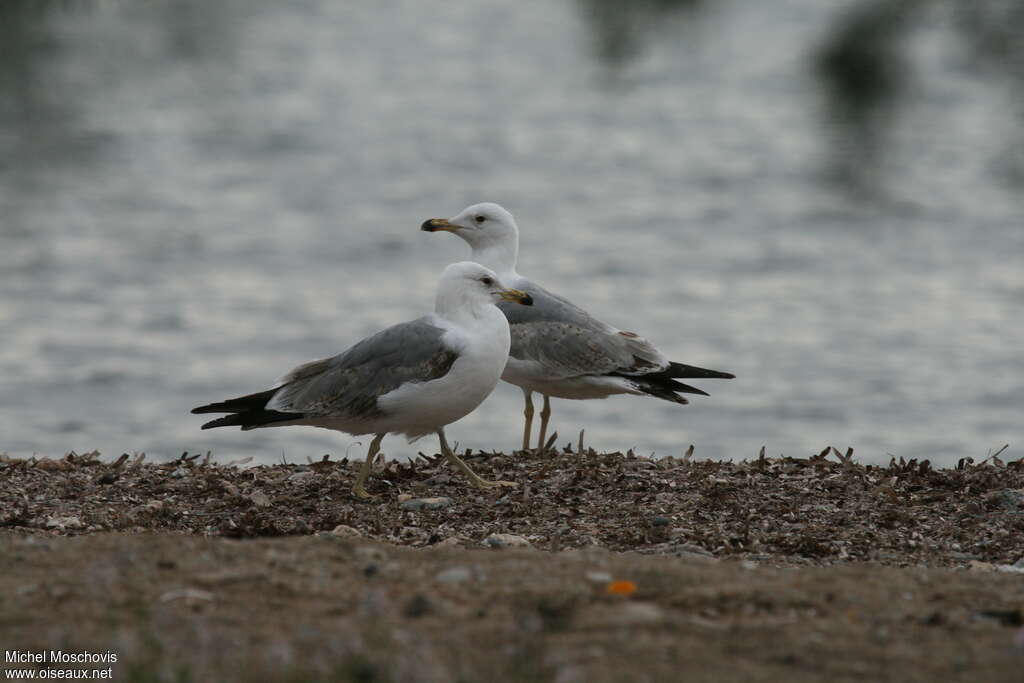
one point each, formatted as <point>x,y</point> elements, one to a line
<point>412,378</point>
<point>558,349</point>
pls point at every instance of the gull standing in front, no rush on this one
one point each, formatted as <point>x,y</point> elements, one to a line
<point>558,349</point>
<point>412,378</point>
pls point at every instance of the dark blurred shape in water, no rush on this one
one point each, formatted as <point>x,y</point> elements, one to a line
<point>993,30</point>
<point>29,108</point>
<point>620,29</point>
<point>864,69</point>
<point>867,74</point>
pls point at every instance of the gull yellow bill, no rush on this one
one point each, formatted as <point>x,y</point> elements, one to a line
<point>436,224</point>
<point>517,296</point>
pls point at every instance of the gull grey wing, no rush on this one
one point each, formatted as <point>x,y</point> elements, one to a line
<point>564,349</point>
<point>349,384</point>
<point>570,342</point>
<point>547,307</point>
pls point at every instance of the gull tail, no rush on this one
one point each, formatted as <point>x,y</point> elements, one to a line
<point>664,389</point>
<point>664,384</point>
<point>247,412</point>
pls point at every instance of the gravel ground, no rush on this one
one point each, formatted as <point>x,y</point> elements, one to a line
<point>598,567</point>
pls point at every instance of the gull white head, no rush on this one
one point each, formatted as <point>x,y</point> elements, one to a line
<point>468,286</point>
<point>489,229</point>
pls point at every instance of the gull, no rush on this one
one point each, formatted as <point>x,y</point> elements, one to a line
<point>412,378</point>
<point>558,349</point>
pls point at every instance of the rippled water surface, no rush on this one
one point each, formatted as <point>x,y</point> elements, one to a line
<point>195,197</point>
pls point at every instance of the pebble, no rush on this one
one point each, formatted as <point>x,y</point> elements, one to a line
<point>637,614</point>
<point>660,521</point>
<point>346,531</point>
<point>457,574</point>
<point>259,499</point>
<point>55,522</point>
<point>300,477</point>
<point>427,503</point>
<point>506,541</point>
<point>599,577</point>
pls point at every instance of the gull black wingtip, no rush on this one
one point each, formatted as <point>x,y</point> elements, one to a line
<point>693,372</point>
<point>428,225</point>
<point>527,300</point>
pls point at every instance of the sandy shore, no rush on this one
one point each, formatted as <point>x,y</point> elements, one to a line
<point>599,567</point>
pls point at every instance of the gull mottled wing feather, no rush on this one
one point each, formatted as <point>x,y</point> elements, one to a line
<point>569,342</point>
<point>349,384</point>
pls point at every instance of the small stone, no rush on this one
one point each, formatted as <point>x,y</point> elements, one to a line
<point>346,531</point>
<point>402,497</point>
<point>637,614</point>
<point>452,575</point>
<point>62,523</point>
<point>300,477</point>
<point>506,541</point>
<point>427,503</point>
<point>259,499</point>
<point>660,521</point>
<point>602,578</point>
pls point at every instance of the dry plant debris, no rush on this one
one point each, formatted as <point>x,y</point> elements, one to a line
<point>823,509</point>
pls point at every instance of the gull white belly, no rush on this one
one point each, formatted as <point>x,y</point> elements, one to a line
<point>423,407</point>
<point>530,375</point>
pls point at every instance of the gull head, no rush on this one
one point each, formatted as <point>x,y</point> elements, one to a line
<point>470,285</point>
<point>482,225</point>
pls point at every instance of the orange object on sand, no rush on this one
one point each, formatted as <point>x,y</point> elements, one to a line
<point>625,588</point>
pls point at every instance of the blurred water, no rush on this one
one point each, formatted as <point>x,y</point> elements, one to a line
<point>197,196</point>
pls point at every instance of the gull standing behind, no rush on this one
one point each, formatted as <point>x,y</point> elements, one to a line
<point>412,378</point>
<point>558,349</point>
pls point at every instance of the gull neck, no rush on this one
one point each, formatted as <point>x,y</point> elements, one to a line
<point>500,256</point>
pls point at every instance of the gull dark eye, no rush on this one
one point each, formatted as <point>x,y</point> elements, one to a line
<point>487,280</point>
<point>480,219</point>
